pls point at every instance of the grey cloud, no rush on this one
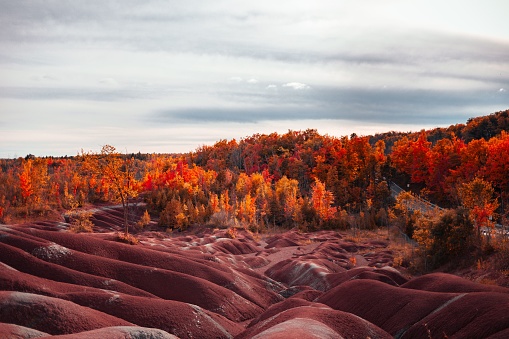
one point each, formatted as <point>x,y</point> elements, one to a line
<point>237,31</point>
<point>362,105</point>
<point>241,114</point>
<point>58,93</point>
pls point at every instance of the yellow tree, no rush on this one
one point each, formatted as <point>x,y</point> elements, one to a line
<point>116,171</point>
<point>286,196</point>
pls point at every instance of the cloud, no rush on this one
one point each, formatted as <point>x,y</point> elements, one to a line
<point>230,114</point>
<point>297,85</point>
<point>359,105</point>
<point>203,64</point>
<point>108,82</point>
<point>107,94</point>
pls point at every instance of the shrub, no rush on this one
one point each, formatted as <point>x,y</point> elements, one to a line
<point>452,235</point>
<point>222,219</point>
<point>80,222</point>
<point>127,238</point>
<point>232,233</point>
<point>443,238</point>
<point>144,220</point>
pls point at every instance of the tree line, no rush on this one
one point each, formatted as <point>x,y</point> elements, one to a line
<point>299,178</point>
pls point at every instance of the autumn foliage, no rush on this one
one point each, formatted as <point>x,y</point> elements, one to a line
<point>296,179</point>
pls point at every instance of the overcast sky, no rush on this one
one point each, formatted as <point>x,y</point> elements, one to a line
<point>169,76</point>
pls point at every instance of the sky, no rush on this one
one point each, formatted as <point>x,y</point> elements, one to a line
<point>170,76</point>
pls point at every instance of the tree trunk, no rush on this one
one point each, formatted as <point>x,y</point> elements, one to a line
<point>125,206</point>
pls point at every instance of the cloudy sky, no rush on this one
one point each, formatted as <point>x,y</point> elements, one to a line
<point>169,76</point>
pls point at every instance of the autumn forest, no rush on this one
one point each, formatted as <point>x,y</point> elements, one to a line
<point>297,179</point>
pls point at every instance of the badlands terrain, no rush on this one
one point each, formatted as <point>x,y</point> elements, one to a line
<point>206,283</point>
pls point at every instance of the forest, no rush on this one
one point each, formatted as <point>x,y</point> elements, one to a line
<point>297,179</point>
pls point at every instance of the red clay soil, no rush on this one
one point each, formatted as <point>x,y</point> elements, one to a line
<point>34,311</point>
<point>27,263</point>
<point>18,332</point>
<point>120,332</point>
<point>168,315</point>
<point>469,315</point>
<point>211,271</point>
<point>386,274</point>
<point>202,284</point>
<point>443,282</point>
<point>313,322</point>
<point>409,313</point>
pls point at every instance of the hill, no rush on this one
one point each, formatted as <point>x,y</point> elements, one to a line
<point>205,282</point>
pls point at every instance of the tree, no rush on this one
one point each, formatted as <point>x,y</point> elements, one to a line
<point>116,171</point>
<point>322,200</point>
<point>411,157</point>
<point>286,197</point>
<point>25,181</point>
<point>33,182</point>
<point>477,197</point>
<point>497,164</point>
<point>443,159</point>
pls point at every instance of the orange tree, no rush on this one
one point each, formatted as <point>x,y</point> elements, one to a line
<point>115,171</point>
<point>477,197</point>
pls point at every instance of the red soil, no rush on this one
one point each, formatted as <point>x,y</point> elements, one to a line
<point>34,311</point>
<point>202,284</point>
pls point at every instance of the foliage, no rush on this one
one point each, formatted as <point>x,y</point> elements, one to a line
<point>127,238</point>
<point>443,237</point>
<point>116,172</point>
<point>478,197</point>
<point>80,221</point>
<point>296,179</point>
<point>232,233</point>
<point>144,220</point>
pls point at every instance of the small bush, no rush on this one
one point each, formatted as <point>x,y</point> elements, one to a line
<point>443,239</point>
<point>127,238</point>
<point>232,233</point>
<point>222,219</point>
<point>80,222</point>
<point>144,220</point>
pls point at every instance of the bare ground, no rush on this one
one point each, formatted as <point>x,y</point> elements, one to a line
<point>202,283</point>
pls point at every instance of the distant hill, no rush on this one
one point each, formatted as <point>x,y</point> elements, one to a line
<point>483,127</point>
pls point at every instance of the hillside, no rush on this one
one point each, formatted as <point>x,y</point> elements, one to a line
<point>272,236</point>
<point>211,283</point>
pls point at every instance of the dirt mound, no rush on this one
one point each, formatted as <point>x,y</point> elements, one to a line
<point>19,332</point>
<point>184,287</point>
<point>201,284</point>
<point>410,313</point>
<point>391,308</point>
<point>22,261</point>
<point>469,315</point>
<point>387,275</point>
<point>313,322</point>
<point>287,239</point>
<point>168,315</point>
<point>211,271</point>
<point>32,310</point>
<point>443,282</point>
<point>120,332</point>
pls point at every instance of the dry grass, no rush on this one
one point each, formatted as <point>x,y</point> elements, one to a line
<point>366,235</point>
<point>127,238</point>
